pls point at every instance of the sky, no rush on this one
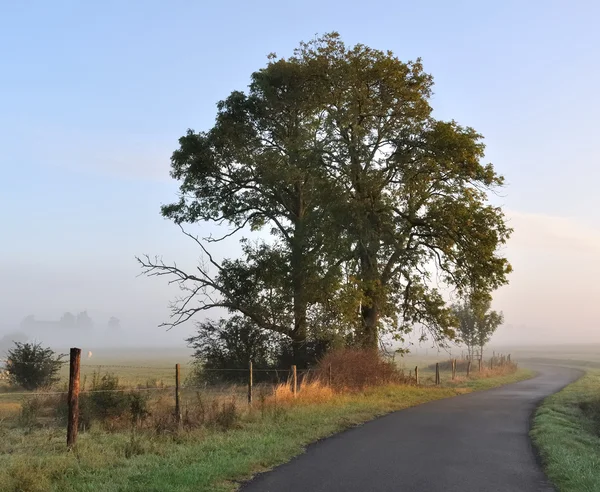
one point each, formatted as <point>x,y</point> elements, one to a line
<point>94,95</point>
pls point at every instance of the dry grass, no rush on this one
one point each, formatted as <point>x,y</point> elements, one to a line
<point>355,369</point>
<point>309,392</point>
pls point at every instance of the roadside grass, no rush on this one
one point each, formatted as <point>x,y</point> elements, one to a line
<point>566,431</point>
<point>206,458</point>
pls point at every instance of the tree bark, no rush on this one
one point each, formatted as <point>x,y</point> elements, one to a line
<point>370,309</point>
<point>369,336</point>
<point>298,267</point>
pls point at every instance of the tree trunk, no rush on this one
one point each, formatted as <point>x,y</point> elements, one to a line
<point>298,267</point>
<point>369,336</point>
<point>370,309</point>
<point>299,349</point>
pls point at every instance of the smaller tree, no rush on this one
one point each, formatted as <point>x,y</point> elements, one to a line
<point>114,323</point>
<point>32,366</point>
<point>231,344</point>
<point>476,322</point>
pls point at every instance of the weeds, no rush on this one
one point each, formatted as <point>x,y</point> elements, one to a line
<point>356,369</point>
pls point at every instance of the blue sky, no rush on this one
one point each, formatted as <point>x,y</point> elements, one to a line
<point>95,95</point>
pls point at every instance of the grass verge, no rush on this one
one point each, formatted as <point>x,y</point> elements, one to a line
<point>206,458</point>
<point>566,430</point>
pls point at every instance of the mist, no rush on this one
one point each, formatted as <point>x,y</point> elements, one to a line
<point>550,300</point>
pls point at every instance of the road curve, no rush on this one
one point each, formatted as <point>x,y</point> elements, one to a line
<point>471,443</point>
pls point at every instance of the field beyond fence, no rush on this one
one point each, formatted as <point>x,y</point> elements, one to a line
<point>170,399</point>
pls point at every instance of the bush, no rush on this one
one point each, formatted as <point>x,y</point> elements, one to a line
<point>32,366</point>
<point>356,369</point>
<point>229,344</point>
<point>107,401</point>
<point>30,412</point>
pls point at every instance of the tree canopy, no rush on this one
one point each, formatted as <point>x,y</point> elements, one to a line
<point>370,202</point>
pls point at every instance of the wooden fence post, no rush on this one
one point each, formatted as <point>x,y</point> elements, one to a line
<point>508,358</point>
<point>492,363</point>
<point>73,397</point>
<point>177,396</point>
<point>417,375</point>
<point>437,373</point>
<point>479,364</point>
<point>329,374</point>
<point>468,367</point>
<point>294,381</point>
<point>453,369</point>
<point>250,383</point>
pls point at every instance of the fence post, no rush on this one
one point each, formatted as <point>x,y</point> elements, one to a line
<point>468,367</point>
<point>294,381</point>
<point>417,375</point>
<point>508,358</point>
<point>492,363</point>
<point>479,364</point>
<point>73,397</point>
<point>329,374</point>
<point>453,368</point>
<point>177,396</point>
<point>437,373</point>
<point>250,383</point>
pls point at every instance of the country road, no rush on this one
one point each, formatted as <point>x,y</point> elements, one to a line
<point>472,443</point>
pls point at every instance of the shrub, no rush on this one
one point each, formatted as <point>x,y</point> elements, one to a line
<point>106,402</point>
<point>30,412</point>
<point>356,369</point>
<point>106,398</point>
<point>232,343</point>
<point>32,366</point>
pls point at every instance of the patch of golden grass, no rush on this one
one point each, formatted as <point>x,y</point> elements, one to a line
<point>9,409</point>
<point>309,392</point>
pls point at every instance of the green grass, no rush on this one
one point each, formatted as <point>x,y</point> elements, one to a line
<point>566,431</point>
<point>204,459</point>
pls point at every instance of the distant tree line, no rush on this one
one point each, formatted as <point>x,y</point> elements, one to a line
<point>373,206</point>
<point>80,321</point>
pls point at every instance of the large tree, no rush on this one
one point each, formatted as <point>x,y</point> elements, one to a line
<point>335,152</point>
<point>260,167</point>
<point>415,188</point>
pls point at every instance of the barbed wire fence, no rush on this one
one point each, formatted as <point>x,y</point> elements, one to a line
<point>173,393</point>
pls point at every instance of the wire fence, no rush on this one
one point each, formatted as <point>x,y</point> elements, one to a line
<point>172,397</point>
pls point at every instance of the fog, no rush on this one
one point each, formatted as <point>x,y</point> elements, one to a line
<point>551,299</point>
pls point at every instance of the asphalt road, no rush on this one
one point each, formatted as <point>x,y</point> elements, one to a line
<point>472,443</point>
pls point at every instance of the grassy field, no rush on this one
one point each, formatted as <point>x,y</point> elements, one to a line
<point>566,431</point>
<point>209,457</point>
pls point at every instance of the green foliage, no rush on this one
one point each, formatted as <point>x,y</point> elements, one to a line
<point>476,322</point>
<point>367,197</point>
<point>105,400</point>
<point>232,343</point>
<point>30,413</point>
<point>32,366</point>
<point>566,433</point>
